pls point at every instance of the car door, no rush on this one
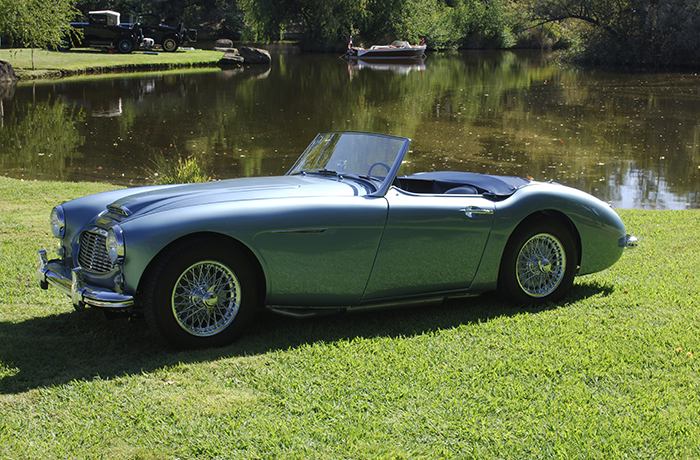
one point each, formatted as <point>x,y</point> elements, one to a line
<point>320,252</point>
<point>94,31</point>
<point>432,243</point>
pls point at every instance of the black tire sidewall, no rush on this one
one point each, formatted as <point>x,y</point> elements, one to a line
<point>125,40</point>
<point>159,285</point>
<point>508,286</point>
<point>174,40</point>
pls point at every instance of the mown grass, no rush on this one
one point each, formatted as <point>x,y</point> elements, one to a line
<point>82,60</point>
<point>610,372</point>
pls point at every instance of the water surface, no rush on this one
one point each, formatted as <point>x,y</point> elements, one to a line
<point>630,139</point>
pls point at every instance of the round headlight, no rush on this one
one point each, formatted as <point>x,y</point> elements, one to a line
<point>58,222</point>
<point>115,244</point>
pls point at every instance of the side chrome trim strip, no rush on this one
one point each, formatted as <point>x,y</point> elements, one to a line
<point>299,230</point>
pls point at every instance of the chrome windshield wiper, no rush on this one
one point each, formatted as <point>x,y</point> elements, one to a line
<point>326,172</point>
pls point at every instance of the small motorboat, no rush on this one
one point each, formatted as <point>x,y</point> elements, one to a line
<point>399,49</point>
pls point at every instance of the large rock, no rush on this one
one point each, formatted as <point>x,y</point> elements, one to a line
<point>245,55</point>
<point>7,73</point>
<point>223,44</point>
<point>254,55</point>
<point>231,58</point>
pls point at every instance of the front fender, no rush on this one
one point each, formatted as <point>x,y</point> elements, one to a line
<point>318,253</point>
<point>147,235</point>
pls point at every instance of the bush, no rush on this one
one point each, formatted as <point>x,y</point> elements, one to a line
<point>184,172</point>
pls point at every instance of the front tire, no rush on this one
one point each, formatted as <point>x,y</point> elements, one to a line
<point>200,294</point>
<point>538,264</point>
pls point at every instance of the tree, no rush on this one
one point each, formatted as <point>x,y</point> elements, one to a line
<point>637,33</point>
<point>325,24</point>
<point>37,23</point>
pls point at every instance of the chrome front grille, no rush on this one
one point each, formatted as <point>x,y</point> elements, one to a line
<point>93,253</point>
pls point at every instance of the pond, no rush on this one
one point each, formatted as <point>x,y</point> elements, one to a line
<point>630,139</point>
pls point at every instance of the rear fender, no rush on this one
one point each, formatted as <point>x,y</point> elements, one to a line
<point>594,223</point>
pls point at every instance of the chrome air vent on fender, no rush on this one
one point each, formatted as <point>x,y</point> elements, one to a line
<point>93,255</point>
<point>119,209</point>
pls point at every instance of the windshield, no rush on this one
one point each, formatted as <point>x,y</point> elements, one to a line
<point>368,155</point>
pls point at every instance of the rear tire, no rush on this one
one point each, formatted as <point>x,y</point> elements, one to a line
<point>200,294</point>
<point>170,44</point>
<point>63,46</point>
<point>538,264</point>
<point>125,45</point>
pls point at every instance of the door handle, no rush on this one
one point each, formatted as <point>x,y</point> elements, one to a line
<point>471,211</point>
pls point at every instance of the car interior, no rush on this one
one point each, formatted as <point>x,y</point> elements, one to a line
<point>460,183</point>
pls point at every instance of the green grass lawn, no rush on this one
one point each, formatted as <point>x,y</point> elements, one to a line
<point>611,372</point>
<point>49,63</point>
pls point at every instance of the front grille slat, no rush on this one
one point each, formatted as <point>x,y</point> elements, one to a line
<point>93,253</point>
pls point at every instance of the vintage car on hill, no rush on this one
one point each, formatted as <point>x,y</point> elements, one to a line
<point>104,30</point>
<point>169,38</point>
<point>342,230</point>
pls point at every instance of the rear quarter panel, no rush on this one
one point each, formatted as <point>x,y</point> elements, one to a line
<point>597,224</point>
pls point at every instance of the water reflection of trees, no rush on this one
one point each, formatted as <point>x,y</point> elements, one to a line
<point>500,113</point>
<point>39,140</point>
<point>620,137</point>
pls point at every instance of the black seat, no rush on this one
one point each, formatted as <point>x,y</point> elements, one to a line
<point>462,190</point>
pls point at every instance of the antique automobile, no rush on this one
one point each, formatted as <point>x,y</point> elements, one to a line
<point>104,30</point>
<point>342,230</point>
<point>168,38</point>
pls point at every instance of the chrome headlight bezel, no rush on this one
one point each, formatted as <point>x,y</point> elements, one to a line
<point>114,244</point>
<point>58,222</point>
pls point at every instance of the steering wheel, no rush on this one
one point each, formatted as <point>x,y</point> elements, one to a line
<point>378,163</point>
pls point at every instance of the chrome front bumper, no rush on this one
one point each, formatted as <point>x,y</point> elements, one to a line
<point>72,283</point>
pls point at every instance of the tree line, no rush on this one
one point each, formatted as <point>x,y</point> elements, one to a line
<point>630,33</point>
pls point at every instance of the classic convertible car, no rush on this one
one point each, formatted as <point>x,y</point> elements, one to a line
<point>340,231</point>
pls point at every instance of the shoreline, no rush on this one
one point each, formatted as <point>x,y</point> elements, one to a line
<point>84,61</point>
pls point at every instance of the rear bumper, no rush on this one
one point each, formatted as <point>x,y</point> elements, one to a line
<point>72,283</point>
<point>628,241</point>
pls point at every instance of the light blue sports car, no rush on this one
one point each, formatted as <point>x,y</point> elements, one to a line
<point>341,230</point>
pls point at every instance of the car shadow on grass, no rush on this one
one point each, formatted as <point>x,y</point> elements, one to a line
<point>84,345</point>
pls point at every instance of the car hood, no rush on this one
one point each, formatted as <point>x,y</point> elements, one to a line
<point>144,200</point>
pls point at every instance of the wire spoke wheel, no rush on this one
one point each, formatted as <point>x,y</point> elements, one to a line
<point>539,262</point>
<point>540,265</point>
<point>201,292</point>
<point>206,298</point>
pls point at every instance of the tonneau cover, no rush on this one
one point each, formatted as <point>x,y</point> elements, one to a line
<point>486,184</point>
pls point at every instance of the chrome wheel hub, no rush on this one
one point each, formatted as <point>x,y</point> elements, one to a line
<point>206,298</point>
<point>541,265</point>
